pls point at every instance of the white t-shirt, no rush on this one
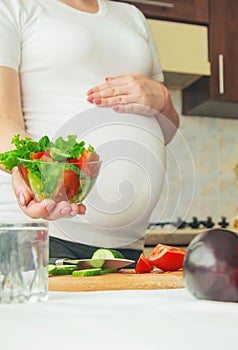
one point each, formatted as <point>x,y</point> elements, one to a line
<point>60,53</point>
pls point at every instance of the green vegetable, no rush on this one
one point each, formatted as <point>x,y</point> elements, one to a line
<point>47,178</point>
<point>25,147</point>
<point>103,253</point>
<point>103,272</point>
<point>58,154</point>
<point>87,272</point>
<point>35,182</point>
<point>72,270</point>
<point>51,268</point>
<point>92,272</point>
<point>62,270</point>
<point>70,146</point>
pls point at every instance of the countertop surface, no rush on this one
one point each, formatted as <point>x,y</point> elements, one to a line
<point>173,236</point>
<point>130,320</point>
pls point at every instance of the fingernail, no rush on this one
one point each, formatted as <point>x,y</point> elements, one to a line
<point>50,206</point>
<point>115,108</point>
<point>108,78</point>
<point>21,199</point>
<point>65,211</point>
<point>97,101</point>
<point>82,210</point>
<point>72,213</point>
<point>90,92</point>
<point>15,169</point>
<point>90,99</point>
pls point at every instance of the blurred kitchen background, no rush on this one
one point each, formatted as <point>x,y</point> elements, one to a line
<point>213,143</point>
<point>196,40</point>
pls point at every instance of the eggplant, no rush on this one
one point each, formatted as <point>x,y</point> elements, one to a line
<point>210,266</point>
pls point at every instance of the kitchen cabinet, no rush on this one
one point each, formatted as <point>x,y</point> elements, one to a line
<point>217,95</point>
<point>179,28</point>
<point>183,51</point>
<point>191,11</point>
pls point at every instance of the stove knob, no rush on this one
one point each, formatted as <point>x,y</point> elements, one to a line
<point>195,223</point>
<point>180,223</point>
<point>209,223</point>
<point>223,223</point>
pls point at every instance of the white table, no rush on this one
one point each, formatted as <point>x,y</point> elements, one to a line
<point>140,320</point>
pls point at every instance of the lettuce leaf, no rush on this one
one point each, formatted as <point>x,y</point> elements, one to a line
<point>25,147</point>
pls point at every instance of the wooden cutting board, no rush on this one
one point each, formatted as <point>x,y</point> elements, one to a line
<point>124,280</point>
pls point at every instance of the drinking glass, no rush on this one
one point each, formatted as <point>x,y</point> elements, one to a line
<point>23,261</point>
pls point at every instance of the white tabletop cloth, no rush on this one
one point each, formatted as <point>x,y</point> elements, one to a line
<point>150,320</point>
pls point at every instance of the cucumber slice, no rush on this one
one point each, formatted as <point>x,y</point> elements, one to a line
<point>35,183</point>
<point>98,263</point>
<point>103,253</point>
<point>51,268</point>
<point>103,272</point>
<point>87,272</point>
<point>56,154</point>
<point>63,270</point>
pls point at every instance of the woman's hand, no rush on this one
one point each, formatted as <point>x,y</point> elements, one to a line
<point>129,94</point>
<point>135,93</point>
<point>46,209</point>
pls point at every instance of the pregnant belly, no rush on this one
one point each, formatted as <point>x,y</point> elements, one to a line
<point>132,173</point>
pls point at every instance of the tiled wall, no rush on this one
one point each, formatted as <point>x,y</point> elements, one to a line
<point>208,170</point>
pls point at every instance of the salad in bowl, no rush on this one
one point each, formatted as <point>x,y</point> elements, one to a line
<point>60,170</point>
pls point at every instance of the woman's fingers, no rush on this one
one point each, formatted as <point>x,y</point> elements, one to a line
<point>79,209</point>
<point>20,188</point>
<point>38,210</point>
<point>129,89</point>
<point>134,108</point>
<point>65,210</point>
<point>119,90</point>
<point>47,209</point>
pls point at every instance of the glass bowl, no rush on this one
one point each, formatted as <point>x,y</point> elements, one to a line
<point>67,180</point>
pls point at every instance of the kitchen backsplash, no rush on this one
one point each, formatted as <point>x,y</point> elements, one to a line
<point>200,179</point>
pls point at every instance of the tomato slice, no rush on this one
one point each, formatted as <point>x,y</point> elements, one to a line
<point>68,186</point>
<point>24,173</point>
<point>167,258</point>
<point>143,265</point>
<point>73,160</point>
<point>37,155</point>
<point>44,155</point>
<point>88,163</point>
<point>71,183</point>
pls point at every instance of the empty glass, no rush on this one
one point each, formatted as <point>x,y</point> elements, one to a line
<point>23,261</point>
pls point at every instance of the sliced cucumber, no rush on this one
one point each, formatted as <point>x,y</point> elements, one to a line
<point>35,183</point>
<point>51,269</point>
<point>98,263</point>
<point>87,272</point>
<point>103,272</point>
<point>57,154</point>
<point>63,270</point>
<point>92,272</point>
<point>103,253</point>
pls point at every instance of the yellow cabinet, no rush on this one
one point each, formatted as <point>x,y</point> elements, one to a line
<point>183,50</point>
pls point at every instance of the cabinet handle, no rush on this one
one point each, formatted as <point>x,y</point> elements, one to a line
<point>154,3</point>
<point>221,74</point>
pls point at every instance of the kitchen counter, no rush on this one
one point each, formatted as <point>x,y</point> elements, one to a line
<point>130,320</point>
<point>180,237</point>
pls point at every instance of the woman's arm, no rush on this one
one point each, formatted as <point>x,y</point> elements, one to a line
<point>11,118</point>
<point>136,93</point>
<point>11,123</point>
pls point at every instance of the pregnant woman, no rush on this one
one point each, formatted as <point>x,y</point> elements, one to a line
<point>88,67</point>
